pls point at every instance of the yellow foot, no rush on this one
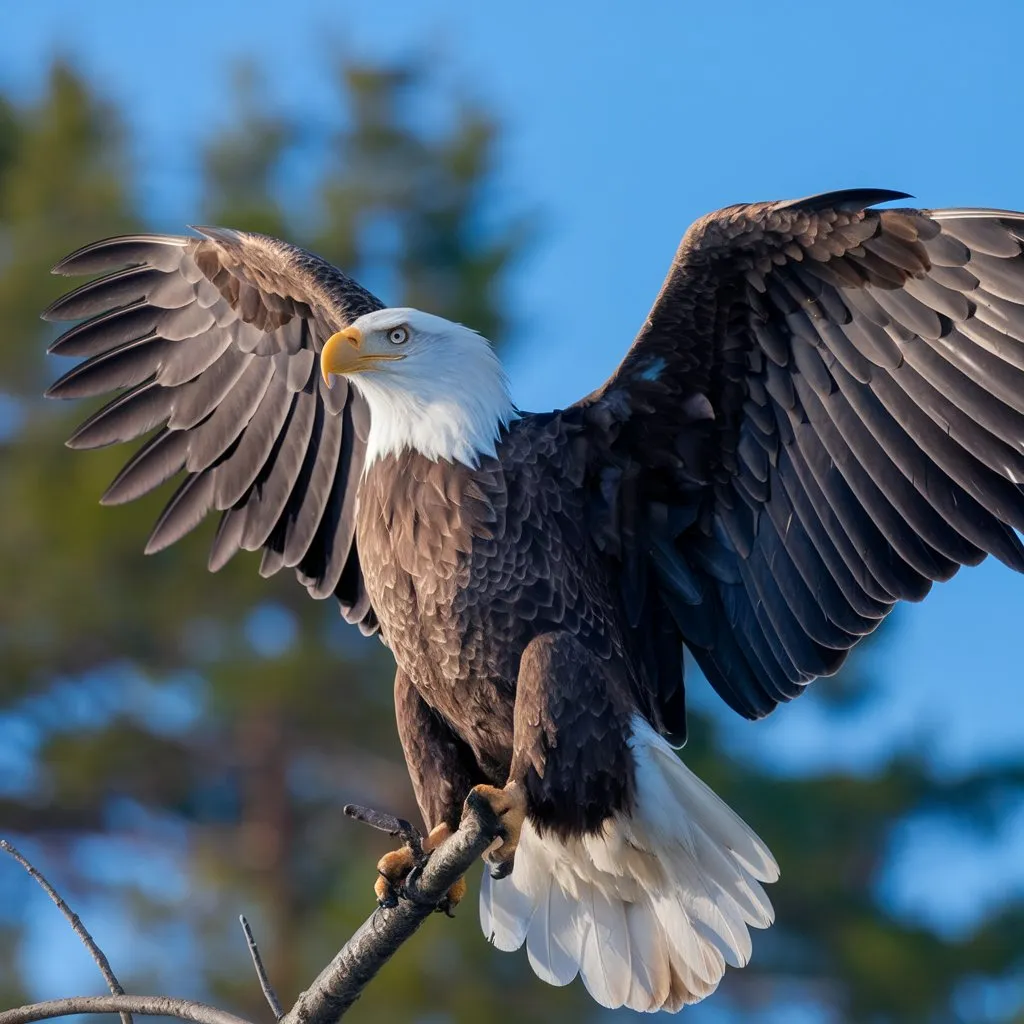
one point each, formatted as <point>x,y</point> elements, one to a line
<point>509,804</point>
<point>394,867</point>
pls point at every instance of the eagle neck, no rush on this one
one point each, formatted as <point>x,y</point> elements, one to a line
<point>441,423</point>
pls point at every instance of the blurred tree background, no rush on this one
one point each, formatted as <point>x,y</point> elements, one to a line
<point>176,747</point>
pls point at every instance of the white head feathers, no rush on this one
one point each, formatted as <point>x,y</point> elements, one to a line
<point>446,395</point>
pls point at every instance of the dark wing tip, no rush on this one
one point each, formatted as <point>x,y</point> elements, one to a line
<point>49,314</point>
<point>847,199</point>
<point>122,250</point>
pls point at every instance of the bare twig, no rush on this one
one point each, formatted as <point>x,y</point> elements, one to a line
<point>74,920</point>
<point>342,981</point>
<point>394,826</point>
<point>261,972</point>
<point>155,1006</point>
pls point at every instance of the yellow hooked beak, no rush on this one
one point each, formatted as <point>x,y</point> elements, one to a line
<point>343,353</point>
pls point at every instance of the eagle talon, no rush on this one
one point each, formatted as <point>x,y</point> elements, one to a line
<point>509,805</point>
<point>400,869</point>
<point>386,889</point>
<point>411,889</point>
<point>452,898</point>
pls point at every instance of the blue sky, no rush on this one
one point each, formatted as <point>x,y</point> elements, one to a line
<point>624,121</point>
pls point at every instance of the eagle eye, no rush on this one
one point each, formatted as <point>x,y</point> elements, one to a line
<point>398,335</point>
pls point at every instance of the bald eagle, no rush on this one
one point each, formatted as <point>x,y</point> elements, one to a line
<point>822,414</point>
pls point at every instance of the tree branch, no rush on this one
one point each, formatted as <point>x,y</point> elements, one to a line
<point>261,972</point>
<point>154,1006</point>
<point>343,980</point>
<point>99,957</point>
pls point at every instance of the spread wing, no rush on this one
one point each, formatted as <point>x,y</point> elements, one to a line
<point>822,415</point>
<point>212,343</point>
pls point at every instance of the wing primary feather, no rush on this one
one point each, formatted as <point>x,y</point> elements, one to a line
<point>997,495</point>
<point>816,570</point>
<point>921,564</point>
<point>338,524</point>
<point>781,621</point>
<point>160,251</point>
<point>124,288</point>
<point>862,590</point>
<point>108,331</point>
<point>122,367</point>
<point>960,528</point>
<point>187,508</point>
<point>129,416</point>
<point>228,538</point>
<point>160,458</point>
<point>280,474</point>
<point>915,503</point>
<point>976,418</point>
<point>997,375</point>
<point>234,476</point>
<point>777,675</point>
<point>198,398</point>
<point>225,424</point>
<point>314,486</point>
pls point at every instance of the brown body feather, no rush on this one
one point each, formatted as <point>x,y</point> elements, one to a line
<point>468,569</point>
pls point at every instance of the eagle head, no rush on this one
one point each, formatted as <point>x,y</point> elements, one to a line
<point>432,385</point>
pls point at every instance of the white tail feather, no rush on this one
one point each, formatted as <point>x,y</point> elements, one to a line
<point>650,910</point>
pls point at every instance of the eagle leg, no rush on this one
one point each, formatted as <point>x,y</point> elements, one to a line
<point>509,806</point>
<point>394,867</point>
<point>442,770</point>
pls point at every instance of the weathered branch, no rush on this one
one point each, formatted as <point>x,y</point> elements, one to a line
<point>343,980</point>
<point>152,1006</point>
<point>261,972</point>
<point>394,826</point>
<point>99,957</point>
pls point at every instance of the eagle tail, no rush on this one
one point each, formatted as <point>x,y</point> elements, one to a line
<point>650,910</point>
